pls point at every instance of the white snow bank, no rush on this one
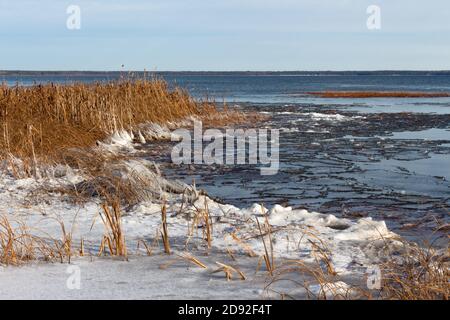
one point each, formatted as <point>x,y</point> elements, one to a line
<point>124,141</point>
<point>296,234</point>
<point>153,131</point>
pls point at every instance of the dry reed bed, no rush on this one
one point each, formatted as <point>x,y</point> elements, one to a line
<point>59,123</point>
<point>422,274</point>
<point>41,121</point>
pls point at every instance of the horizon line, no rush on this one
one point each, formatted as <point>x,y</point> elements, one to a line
<point>219,71</point>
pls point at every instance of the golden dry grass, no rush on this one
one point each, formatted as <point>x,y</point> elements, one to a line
<point>202,218</point>
<point>268,250</point>
<point>43,120</point>
<point>417,273</point>
<point>114,237</point>
<point>18,245</point>
<point>164,231</point>
<point>422,274</point>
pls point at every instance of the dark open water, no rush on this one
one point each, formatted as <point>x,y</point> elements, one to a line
<point>386,158</point>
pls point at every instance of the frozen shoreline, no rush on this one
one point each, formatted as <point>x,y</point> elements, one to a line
<point>139,278</point>
<point>352,246</point>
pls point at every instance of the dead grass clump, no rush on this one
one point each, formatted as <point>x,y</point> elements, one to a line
<point>316,281</point>
<point>420,274</point>
<point>319,274</point>
<point>16,243</point>
<point>202,220</point>
<point>415,273</point>
<point>190,258</point>
<point>40,121</point>
<point>241,243</point>
<point>164,231</point>
<point>268,249</point>
<point>229,271</point>
<point>114,238</point>
<point>64,247</point>
<point>119,177</point>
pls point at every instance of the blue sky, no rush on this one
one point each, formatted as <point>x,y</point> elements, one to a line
<point>225,35</point>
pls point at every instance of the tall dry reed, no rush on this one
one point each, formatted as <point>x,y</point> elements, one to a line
<point>42,120</point>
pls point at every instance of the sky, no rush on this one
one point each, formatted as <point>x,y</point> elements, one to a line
<point>224,35</point>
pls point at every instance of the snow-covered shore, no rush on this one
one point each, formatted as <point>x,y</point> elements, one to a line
<point>351,246</point>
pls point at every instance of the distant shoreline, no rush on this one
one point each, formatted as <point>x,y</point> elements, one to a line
<point>225,73</point>
<point>379,94</point>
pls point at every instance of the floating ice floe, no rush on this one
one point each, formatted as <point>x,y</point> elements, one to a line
<point>330,117</point>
